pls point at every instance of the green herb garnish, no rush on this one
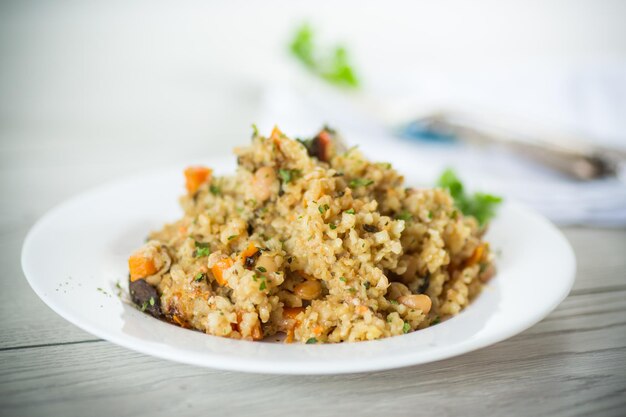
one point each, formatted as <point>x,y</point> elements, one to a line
<point>367,285</point>
<point>261,269</point>
<point>332,226</point>
<point>324,208</point>
<point>333,66</point>
<point>255,131</point>
<point>262,286</point>
<point>151,301</point>
<point>343,279</point>
<point>350,211</point>
<point>405,215</point>
<point>215,190</point>
<point>144,306</point>
<point>479,205</point>
<point>406,327</point>
<point>288,175</point>
<point>436,320</point>
<point>360,182</point>
<point>199,277</point>
<point>231,237</point>
<point>311,341</point>
<point>202,249</point>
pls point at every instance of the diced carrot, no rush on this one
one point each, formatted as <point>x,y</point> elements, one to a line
<point>476,256</point>
<point>317,330</point>
<point>195,177</point>
<point>290,335</point>
<point>276,134</point>
<point>181,322</point>
<point>292,312</point>
<point>140,267</point>
<point>249,251</point>
<point>218,270</point>
<point>323,146</point>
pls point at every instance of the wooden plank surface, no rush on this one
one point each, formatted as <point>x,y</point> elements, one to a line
<point>573,363</point>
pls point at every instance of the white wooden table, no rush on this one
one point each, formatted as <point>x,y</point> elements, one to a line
<point>60,135</point>
<point>572,363</point>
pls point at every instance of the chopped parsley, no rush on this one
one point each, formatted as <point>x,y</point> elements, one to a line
<point>343,279</point>
<point>261,269</point>
<point>405,215</point>
<point>406,327</point>
<point>351,211</point>
<point>199,277</point>
<point>367,285</point>
<point>332,66</point>
<point>332,226</point>
<point>215,190</point>
<point>479,205</point>
<point>262,286</point>
<point>151,301</point>
<point>231,237</point>
<point>144,306</point>
<point>202,249</point>
<point>311,341</point>
<point>359,182</point>
<point>324,208</point>
<point>436,320</point>
<point>288,175</point>
<point>352,290</point>
<point>393,302</point>
<point>255,131</point>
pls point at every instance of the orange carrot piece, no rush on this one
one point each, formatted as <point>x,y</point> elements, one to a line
<point>195,177</point>
<point>218,270</point>
<point>276,134</point>
<point>249,251</point>
<point>476,256</point>
<point>140,267</point>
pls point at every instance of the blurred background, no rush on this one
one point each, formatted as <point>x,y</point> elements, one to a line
<point>118,87</point>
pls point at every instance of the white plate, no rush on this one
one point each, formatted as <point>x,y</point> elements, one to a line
<point>76,253</point>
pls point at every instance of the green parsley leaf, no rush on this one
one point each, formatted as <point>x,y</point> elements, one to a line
<point>151,301</point>
<point>359,182</point>
<point>367,285</point>
<point>262,286</point>
<point>199,277</point>
<point>231,237</point>
<point>202,249</point>
<point>324,208</point>
<point>215,190</point>
<point>333,66</point>
<point>288,175</point>
<point>144,306</point>
<point>479,205</point>
<point>311,341</point>
<point>343,279</point>
<point>351,211</point>
<point>405,215</point>
<point>261,269</point>
<point>255,131</point>
<point>332,226</point>
<point>406,327</point>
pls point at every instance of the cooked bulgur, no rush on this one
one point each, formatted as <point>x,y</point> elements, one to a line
<point>313,241</point>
